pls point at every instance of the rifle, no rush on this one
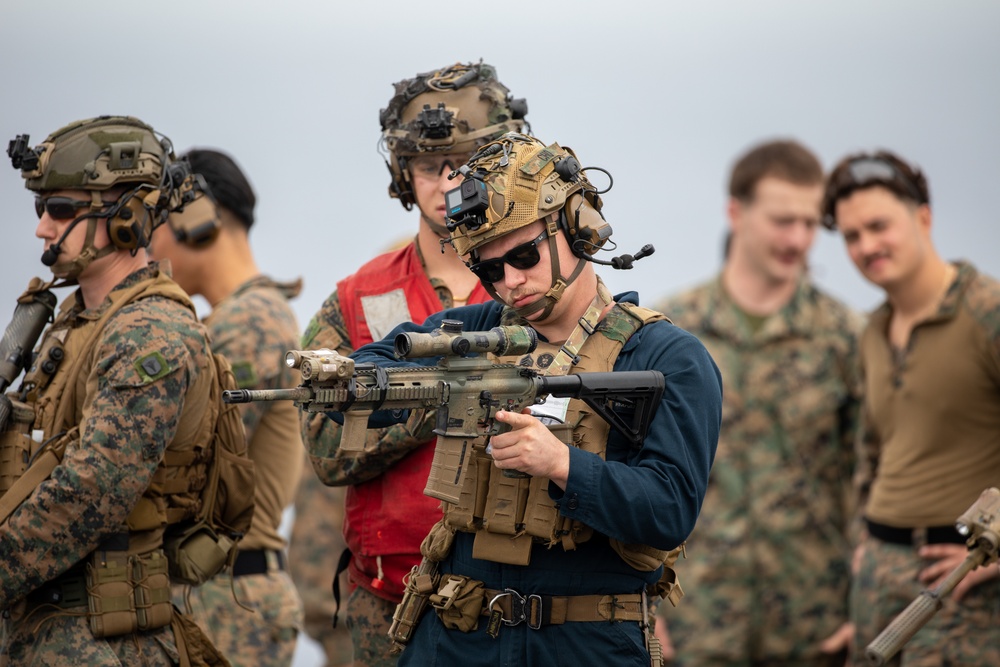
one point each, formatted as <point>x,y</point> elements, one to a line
<point>33,311</point>
<point>466,388</point>
<point>981,523</point>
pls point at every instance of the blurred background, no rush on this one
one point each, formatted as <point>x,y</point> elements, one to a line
<point>663,94</point>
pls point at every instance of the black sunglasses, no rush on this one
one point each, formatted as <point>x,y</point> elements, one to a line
<point>521,257</point>
<point>59,208</point>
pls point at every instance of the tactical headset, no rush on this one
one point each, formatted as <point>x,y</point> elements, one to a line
<point>518,180</point>
<point>99,154</point>
<point>196,222</point>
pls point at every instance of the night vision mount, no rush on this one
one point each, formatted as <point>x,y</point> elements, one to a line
<point>21,155</point>
<point>435,123</point>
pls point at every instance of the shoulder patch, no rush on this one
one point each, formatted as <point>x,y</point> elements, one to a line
<point>244,373</point>
<point>151,367</point>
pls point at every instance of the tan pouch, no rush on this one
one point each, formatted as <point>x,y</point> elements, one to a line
<point>668,585</point>
<point>109,594</point>
<point>502,548</point>
<point>541,516</point>
<point>197,553</point>
<point>152,591</point>
<point>507,498</point>
<point>639,556</point>
<point>16,445</point>
<point>467,513</point>
<point>459,602</point>
<point>438,542</point>
<point>420,584</point>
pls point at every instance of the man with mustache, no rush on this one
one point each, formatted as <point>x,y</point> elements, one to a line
<point>930,438</point>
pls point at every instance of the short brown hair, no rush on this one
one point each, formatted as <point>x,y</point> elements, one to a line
<point>786,159</point>
<point>861,171</point>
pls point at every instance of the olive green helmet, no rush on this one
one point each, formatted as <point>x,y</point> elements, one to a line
<point>94,154</point>
<point>99,154</point>
<point>455,109</point>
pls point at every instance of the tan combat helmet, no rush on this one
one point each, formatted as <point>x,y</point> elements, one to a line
<point>514,181</point>
<point>456,109</point>
<point>99,154</point>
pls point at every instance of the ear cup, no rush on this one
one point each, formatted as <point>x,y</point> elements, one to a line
<point>198,224</point>
<point>400,185</point>
<point>584,224</point>
<point>127,226</point>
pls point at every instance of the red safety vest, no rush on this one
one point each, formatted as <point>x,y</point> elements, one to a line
<point>389,516</point>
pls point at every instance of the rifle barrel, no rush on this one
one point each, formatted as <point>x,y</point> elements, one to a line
<point>297,394</point>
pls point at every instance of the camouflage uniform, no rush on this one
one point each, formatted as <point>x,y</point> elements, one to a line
<point>128,420</point>
<point>322,436</point>
<point>923,468</point>
<point>254,327</point>
<point>316,543</point>
<point>767,572</point>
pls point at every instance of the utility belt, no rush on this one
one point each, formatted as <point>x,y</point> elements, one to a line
<point>123,593</point>
<point>512,608</point>
<point>460,601</point>
<point>258,561</point>
<point>916,537</point>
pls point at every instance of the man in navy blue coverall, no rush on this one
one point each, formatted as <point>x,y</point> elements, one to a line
<point>531,247</point>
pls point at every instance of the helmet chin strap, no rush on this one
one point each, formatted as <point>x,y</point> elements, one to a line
<point>558,285</point>
<point>440,230</point>
<point>73,268</point>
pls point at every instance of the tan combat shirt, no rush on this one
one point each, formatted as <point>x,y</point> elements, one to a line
<point>931,440</point>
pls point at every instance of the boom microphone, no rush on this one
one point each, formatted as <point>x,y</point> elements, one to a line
<point>622,262</point>
<point>51,254</point>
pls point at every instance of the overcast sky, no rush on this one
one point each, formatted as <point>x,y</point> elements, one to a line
<point>662,94</point>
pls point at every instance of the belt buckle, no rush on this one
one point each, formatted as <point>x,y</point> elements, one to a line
<point>520,608</point>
